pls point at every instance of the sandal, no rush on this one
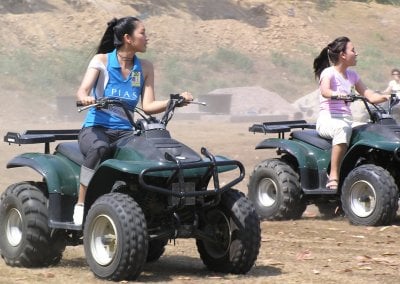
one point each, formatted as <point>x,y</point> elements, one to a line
<point>332,184</point>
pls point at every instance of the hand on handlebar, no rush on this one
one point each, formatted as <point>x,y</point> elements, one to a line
<point>182,99</point>
<point>99,103</point>
<point>187,98</point>
<point>343,96</point>
<point>85,101</point>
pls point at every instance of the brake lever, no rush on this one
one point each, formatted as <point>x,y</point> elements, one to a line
<point>180,100</point>
<point>85,108</point>
<point>82,108</point>
<point>197,103</point>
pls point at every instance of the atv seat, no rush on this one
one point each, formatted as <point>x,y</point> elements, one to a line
<point>71,151</point>
<point>312,137</point>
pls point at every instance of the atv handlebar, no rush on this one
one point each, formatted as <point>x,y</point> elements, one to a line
<point>394,99</point>
<point>379,111</point>
<point>100,103</point>
<point>346,98</point>
<point>176,100</point>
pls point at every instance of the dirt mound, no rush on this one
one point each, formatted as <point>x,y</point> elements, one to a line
<point>253,26</point>
<point>279,38</point>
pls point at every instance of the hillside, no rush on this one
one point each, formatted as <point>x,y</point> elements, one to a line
<point>195,45</point>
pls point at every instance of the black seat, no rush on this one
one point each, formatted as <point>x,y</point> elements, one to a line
<point>71,151</point>
<point>312,137</point>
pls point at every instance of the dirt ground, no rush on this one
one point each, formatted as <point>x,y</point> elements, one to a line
<point>309,250</point>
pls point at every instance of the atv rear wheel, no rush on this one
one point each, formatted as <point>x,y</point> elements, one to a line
<point>234,235</point>
<point>115,237</point>
<point>275,191</point>
<point>370,196</point>
<point>26,239</point>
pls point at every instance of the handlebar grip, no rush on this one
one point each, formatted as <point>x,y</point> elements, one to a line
<point>175,96</point>
<point>79,104</point>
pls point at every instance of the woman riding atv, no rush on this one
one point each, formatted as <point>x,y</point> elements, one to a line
<point>115,71</point>
<point>336,83</point>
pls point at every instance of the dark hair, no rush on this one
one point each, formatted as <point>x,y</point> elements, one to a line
<point>395,70</point>
<point>116,29</point>
<point>330,55</point>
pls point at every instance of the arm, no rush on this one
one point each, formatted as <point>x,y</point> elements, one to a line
<point>326,91</point>
<point>372,96</point>
<point>149,103</point>
<point>88,81</point>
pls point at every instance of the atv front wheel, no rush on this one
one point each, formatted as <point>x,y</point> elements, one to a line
<point>234,235</point>
<point>26,239</point>
<point>275,191</point>
<point>115,237</point>
<point>370,196</point>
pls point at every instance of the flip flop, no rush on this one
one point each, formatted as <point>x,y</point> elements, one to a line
<point>332,184</point>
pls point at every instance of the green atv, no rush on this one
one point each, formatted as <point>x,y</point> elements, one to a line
<point>154,189</point>
<point>368,192</point>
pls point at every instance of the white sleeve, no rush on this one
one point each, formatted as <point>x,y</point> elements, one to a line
<point>103,76</point>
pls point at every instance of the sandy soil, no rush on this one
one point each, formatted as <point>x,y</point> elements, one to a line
<point>310,250</point>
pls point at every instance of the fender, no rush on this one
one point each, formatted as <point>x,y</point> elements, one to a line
<point>60,174</point>
<point>311,170</point>
<point>305,154</point>
<point>357,150</point>
<point>389,146</point>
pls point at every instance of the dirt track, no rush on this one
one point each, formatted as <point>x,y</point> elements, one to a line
<point>310,250</point>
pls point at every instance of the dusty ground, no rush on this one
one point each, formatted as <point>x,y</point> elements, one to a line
<point>310,250</point>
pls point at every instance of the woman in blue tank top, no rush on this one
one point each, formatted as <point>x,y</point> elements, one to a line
<point>115,71</point>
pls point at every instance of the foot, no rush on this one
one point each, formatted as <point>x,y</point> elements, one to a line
<point>78,214</point>
<point>332,184</point>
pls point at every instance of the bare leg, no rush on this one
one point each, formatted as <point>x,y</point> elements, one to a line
<point>337,155</point>
<point>82,194</point>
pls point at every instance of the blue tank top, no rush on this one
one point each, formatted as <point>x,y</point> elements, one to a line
<point>127,89</point>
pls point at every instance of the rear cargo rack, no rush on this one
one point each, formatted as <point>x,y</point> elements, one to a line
<point>280,127</point>
<point>41,136</point>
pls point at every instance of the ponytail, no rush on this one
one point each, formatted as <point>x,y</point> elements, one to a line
<point>321,62</point>
<point>114,35</point>
<point>330,55</point>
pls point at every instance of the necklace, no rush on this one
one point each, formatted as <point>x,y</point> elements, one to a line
<point>124,58</point>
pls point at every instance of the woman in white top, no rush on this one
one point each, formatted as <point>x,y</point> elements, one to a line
<point>336,82</point>
<point>394,85</point>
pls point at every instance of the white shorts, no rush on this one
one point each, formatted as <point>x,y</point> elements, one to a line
<point>335,127</point>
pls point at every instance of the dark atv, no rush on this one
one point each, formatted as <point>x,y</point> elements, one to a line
<point>154,189</point>
<point>368,193</point>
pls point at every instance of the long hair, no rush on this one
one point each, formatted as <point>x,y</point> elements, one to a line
<point>113,36</point>
<point>330,55</point>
